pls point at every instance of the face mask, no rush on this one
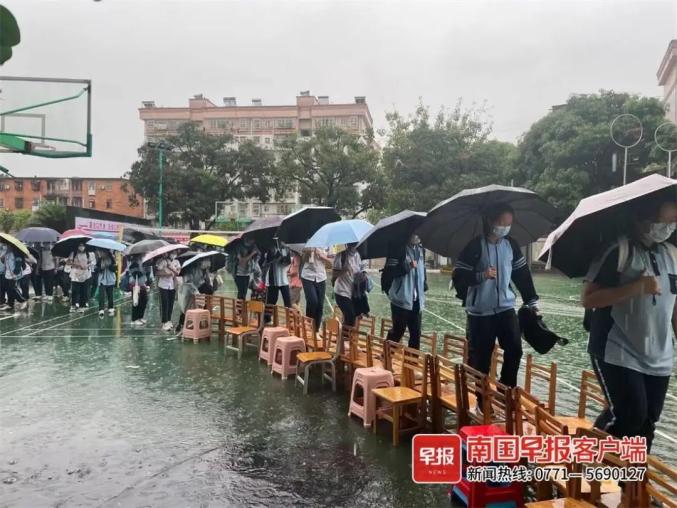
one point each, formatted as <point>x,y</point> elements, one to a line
<point>501,231</point>
<point>172,256</point>
<point>81,248</point>
<point>414,240</point>
<point>205,265</point>
<point>660,231</point>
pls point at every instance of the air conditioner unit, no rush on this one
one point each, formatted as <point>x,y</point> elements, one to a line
<point>102,187</point>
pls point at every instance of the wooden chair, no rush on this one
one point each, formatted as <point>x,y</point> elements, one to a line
<point>548,425</point>
<point>394,352</point>
<point>386,326</point>
<point>543,373</point>
<point>525,412</point>
<point>445,392</point>
<point>349,356</point>
<point>413,394</point>
<point>237,337</point>
<point>660,484</point>
<point>494,401</point>
<point>376,352</point>
<point>327,358</point>
<point>366,325</point>
<point>455,348</point>
<point>308,333</point>
<point>429,342</point>
<point>496,363</point>
<point>605,492</point>
<point>589,390</point>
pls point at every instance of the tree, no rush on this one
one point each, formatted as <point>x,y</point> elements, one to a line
<point>21,219</point>
<point>52,216</point>
<point>333,168</point>
<point>200,169</point>
<point>567,154</point>
<point>426,160</point>
<point>6,220</point>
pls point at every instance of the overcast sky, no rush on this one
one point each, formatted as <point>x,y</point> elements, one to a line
<point>520,57</point>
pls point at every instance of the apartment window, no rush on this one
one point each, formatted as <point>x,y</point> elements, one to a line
<point>35,185</point>
<point>242,209</point>
<point>244,124</point>
<point>344,121</point>
<point>108,186</point>
<point>256,210</point>
<point>353,122</point>
<point>284,123</point>
<point>92,203</point>
<point>284,209</point>
<point>218,123</point>
<point>19,186</point>
<point>257,124</point>
<point>268,124</point>
<point>76,185</point>
<point>109,204</point>
<point>2,203</point>
<point>91,188</point>
<point>305,133</point>
<point>51,185</point>
<point>77,201</point>
<point>19,203</point>
<point>36,203</point>
<point>324,122</point>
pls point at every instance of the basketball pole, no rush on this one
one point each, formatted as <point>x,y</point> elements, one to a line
<point>162,167</point>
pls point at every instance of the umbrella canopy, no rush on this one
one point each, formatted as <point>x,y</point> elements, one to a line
<point>218,260</point>
<point>66,246</point>
<point>144,246</point>
<point>75,232</point>
<point>596,221</point>
<point>165,249</point>
<point>15,243</point>
<point>393,230</point>
<point>233,243</point>
<point>297,227</point>
<point>105,234</point>
<point>211,240</point>
<point>38,235</point>
<point>339,233</point>
<point>263,231</point>
<point>105,243</point>
<point>451,224</point>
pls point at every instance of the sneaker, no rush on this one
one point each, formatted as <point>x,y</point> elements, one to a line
<point>101,314</point>
<point>111,312</point>
<point>65,298</point>
<point>37,298</point>
<point>74,309</point>
<point>168,326</point>
<point>23,306</point>
<point>82,310</point>
<point>49,299</point>
<point>4,307</point>
<point>143,321</point>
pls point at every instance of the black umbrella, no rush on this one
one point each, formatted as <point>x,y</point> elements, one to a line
<point>38,235</point>
<point>598,220</point>
<point>391,231</point>
<point>66,246</point>
<point>144,247</point>
<point>218,260</point>
<point>451,224</point>
<point>263,231</point>
<point>299,226</point>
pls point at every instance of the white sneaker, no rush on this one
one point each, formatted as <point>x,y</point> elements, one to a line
<point>74,309</point>
<point>143,321</point>
<point>111,312</point>
<point>49,299</point>
<point>101,314</point>
<point>37,298</point>
<point>82,310</point>
<point>23,306</point>
<point>168,326</point>
<point>5,307</point>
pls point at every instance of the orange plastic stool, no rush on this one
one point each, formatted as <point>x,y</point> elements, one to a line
<point>367,379</point>
<point>270,336</point>
<point>198,325</point>
<point>284,355</point>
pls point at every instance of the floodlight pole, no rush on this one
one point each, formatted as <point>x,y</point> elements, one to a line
<point>161,147</point>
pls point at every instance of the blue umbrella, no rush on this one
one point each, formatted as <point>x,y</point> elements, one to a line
<point>104,234</point>
<point>106,243</point>
<point>339,233</point>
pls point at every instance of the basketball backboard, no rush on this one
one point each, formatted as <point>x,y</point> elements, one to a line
<point>45,117</point>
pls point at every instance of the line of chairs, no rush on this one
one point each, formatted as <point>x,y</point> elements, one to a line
<point>429,388</point>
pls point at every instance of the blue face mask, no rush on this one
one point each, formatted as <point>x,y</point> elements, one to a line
<point>501,231</point>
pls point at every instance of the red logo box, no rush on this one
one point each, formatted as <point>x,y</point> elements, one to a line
<point>436,458</point>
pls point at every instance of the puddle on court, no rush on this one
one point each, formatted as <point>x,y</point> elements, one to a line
<point>94,413</point>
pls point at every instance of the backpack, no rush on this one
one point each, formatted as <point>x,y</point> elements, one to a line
<point>124,282</point>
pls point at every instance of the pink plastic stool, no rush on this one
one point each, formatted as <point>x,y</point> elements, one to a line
<point>198,325</point>
<point>284,355</point>
<point>368,378</point>
<point>270,336</point>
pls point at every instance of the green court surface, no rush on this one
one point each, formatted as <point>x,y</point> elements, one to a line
<point>96,413</point>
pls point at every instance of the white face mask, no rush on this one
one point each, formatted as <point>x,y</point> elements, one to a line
<point>660,231</point>
<point>172,256</point>
<point>501,231</point>
<point>81,248</point>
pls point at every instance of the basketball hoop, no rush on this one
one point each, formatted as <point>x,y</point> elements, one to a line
<point>634,125</point>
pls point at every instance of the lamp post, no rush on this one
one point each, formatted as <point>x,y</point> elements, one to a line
<point>162,146</point>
